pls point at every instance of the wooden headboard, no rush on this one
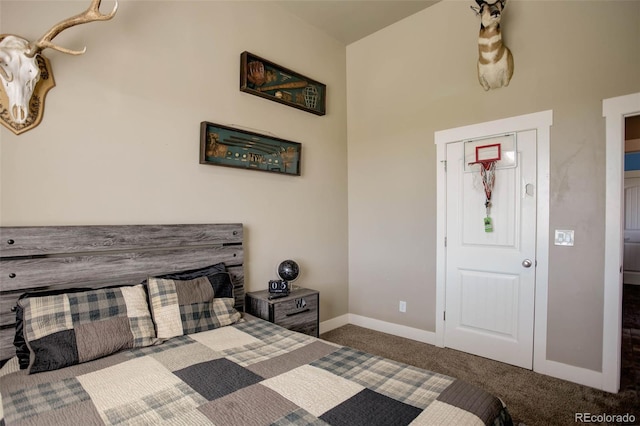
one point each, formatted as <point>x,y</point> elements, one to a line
<point>59,257</point>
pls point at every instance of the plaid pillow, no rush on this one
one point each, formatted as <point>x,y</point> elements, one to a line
<point>189,306</point>
<point>71,328</point>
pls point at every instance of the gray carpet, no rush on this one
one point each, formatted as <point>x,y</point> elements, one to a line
<point>531,398</point>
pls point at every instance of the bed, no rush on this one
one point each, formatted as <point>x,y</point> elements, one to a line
<point>119,354</point>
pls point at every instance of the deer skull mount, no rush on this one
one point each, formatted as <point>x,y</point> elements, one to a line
<point>26,74</point>
<point>495,61</point>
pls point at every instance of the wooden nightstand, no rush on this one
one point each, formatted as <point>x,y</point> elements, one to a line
<point>299,311</point>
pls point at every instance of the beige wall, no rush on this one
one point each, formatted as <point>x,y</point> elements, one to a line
<point>419,76</point>
<point>119,141</point>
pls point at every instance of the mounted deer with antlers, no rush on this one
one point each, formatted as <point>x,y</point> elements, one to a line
<point>495,61</point>
<point>22,66</point>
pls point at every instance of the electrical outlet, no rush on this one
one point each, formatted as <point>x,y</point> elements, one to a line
<point>403,306</point>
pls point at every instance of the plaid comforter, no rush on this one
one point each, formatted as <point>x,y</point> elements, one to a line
<point>249,373</point>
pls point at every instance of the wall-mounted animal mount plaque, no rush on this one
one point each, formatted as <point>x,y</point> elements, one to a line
<point>26,74</point>
<point>495,61</point>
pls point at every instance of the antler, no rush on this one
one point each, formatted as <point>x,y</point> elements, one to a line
<point>90,15</point>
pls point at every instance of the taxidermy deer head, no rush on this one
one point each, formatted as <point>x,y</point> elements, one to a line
<point>495,62</point>
<point>26,75</point>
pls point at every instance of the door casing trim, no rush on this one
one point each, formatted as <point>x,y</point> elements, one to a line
<point>541,122</point>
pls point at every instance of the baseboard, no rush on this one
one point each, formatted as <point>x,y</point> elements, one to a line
<point>395,329</point>
<point>579,375</point>
<point>378,325</point>
<point>334,323</point>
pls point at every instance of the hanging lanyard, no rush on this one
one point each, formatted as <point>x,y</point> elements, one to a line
<point>487,171</point>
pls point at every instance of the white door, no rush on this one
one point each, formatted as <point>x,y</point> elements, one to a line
<point>490,276</point>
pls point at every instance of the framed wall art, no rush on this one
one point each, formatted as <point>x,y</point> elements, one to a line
<point>230,147</point>
<point>263,78</point>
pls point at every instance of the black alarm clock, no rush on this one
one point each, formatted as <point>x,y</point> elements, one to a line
<point>279,287</point>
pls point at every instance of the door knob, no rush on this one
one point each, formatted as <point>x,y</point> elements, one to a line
<point>527,263</point>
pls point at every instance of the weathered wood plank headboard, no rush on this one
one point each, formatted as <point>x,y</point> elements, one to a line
<point>59,257</point>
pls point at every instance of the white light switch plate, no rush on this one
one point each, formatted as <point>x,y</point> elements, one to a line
<point>564,237</point>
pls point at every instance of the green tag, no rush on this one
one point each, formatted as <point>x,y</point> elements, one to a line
<point>488,226</point>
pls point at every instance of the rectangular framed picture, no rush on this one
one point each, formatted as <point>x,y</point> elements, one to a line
<point>263,78</point>
<point>226,146</point>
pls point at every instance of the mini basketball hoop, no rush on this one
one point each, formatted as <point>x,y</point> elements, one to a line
<point>487,157</point>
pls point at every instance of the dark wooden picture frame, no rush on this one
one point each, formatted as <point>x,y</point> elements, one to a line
<point>263,78</point>
<point>229,147</point>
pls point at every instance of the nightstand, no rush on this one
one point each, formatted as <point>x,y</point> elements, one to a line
<point>299,311</point>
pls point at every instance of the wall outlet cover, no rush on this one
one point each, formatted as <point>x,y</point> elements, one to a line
<point>564,237</point>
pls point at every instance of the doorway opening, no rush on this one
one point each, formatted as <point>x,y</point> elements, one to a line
<point>615,111</point>
<point>630,253</point>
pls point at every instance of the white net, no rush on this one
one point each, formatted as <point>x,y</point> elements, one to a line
<point>485,178</point>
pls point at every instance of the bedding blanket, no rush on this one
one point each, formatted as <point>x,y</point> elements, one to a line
<point>249,373</point>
